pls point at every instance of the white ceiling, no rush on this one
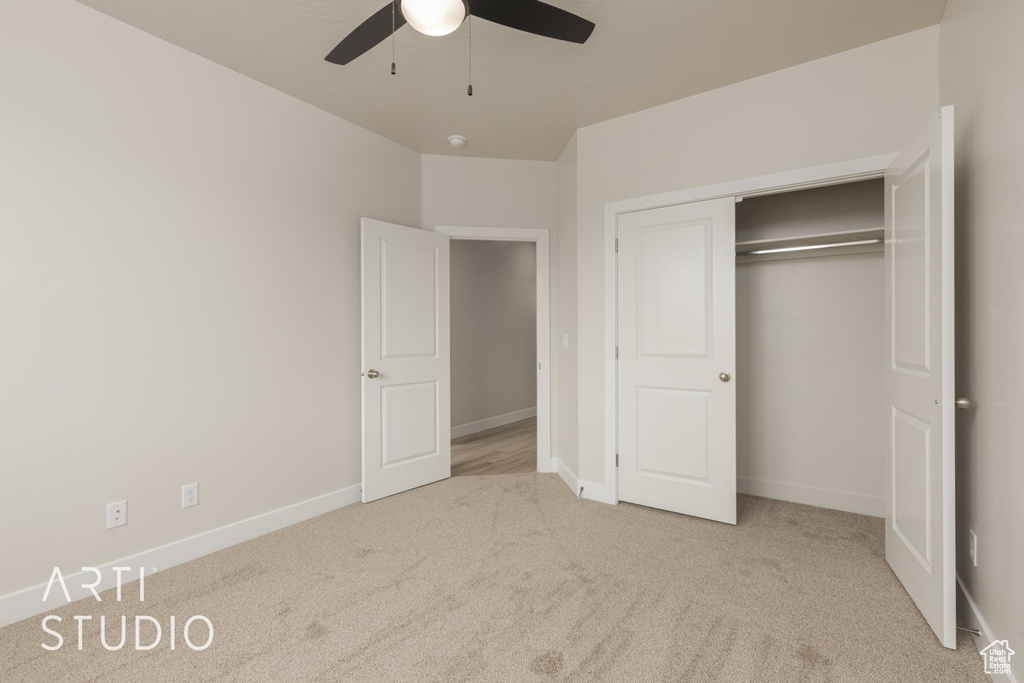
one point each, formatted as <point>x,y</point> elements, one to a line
<point>530,93</point>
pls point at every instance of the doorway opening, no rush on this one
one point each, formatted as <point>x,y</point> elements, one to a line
<point>493,335</point>
<point>500,380</point>
<point>810,327</point>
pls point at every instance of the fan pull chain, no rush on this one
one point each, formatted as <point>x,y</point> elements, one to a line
<point>393,71</point>
<point>469,90</point>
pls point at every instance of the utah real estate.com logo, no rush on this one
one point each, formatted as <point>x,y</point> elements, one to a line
<point>148,630</point>
<point>997,657</point>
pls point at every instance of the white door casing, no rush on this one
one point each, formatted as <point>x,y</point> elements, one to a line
<point>919,530</point>
<point>405,327</point>
<point>540,237</point>
<point>676,359</point>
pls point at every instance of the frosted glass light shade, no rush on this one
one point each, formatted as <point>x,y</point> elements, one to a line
<point>434,17</point>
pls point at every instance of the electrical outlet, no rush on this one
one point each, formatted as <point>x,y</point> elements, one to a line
<point>972,546</point>
<point>189,495</point>
<point>117,514</point>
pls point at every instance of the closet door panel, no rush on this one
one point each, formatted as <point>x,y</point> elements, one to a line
<point>677,398</point>
<point>674,307</point>
<point>911,281</point>
<point>672,433</point>
<point>920,529</point>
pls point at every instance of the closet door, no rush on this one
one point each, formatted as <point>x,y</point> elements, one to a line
<point>919,529</point>
<point>677,350</point>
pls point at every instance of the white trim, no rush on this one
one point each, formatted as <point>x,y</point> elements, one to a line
<point>492,422</point>
<point>568,477</point>
<point>948,332</point>
<point>773,183</point>
<point>973,616</point>
<point>786,181</point>
<point>545,451</point>
<point>28,602</point>
<point>832,499</point>
<point>595,490</point>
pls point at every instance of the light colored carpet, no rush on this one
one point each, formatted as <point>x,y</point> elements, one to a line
<point>512,578</point>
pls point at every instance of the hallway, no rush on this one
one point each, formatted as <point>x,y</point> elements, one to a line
<point>511,449</point>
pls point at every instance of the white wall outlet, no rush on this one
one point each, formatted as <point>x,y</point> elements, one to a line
<point>189,495</point>
<point>117,514</point>
<point>972,546</point>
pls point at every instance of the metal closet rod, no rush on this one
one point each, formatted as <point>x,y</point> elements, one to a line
<point>806,247</point>
<point>853,241</point>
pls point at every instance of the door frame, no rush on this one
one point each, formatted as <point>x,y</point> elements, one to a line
<point>865,168</point>
<point>541,238</point>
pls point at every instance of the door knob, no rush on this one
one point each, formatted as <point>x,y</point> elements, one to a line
<point>963,403</point>
<point>372,374</point>
<point>724,376</point>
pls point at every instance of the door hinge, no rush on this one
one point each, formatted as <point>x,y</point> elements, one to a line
<point>616,245</point>
<point>538,366</point>
<point>616,459</point>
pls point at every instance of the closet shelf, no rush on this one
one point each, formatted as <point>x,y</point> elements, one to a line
<point>807,246</point>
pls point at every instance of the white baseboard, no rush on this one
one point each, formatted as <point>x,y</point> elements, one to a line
<point>567,476</point>
<point>492,422</point>
<point>812,495</point>
<point>29,602</point>
<point>965,603</point>
<point>592,490</point>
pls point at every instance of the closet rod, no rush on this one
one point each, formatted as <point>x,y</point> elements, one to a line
<point>806,247</point>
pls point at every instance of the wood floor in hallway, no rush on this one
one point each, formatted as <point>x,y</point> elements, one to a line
<point>511,449</point>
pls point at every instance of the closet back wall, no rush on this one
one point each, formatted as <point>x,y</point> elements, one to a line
<point>493,333</point>
<point>810,405</point>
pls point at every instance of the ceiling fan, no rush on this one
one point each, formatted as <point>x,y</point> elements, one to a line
<point>441,17</point>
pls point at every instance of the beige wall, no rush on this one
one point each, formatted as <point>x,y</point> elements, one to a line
<point>982,55</point>
<point>810,396</point>
<point>565,426</point>
<point>867,101</point>
<point>179,289</point>
<point>493,329</point>
<point>488,193</point>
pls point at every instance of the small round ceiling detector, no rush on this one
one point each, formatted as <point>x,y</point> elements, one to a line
<point>456,140</point>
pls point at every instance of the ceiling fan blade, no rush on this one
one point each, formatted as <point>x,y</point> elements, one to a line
<point>534,16</point>
<point>367,35</point>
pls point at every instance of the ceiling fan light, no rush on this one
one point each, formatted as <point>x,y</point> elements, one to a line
<point>434,17</point>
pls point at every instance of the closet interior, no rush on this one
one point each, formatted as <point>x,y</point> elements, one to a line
<point>811,426</point>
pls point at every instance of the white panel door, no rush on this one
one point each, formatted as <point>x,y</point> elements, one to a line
<point>406,359</point>
<point>677,355</point>
<point>919,529</point>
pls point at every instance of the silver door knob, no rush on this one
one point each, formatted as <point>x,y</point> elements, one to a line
<point>963,403</point>
<point>372,374</point>
<point>724,376</point>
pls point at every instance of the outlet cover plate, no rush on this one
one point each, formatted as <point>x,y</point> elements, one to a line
<point>189,495</point>
<point>117,514</point>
